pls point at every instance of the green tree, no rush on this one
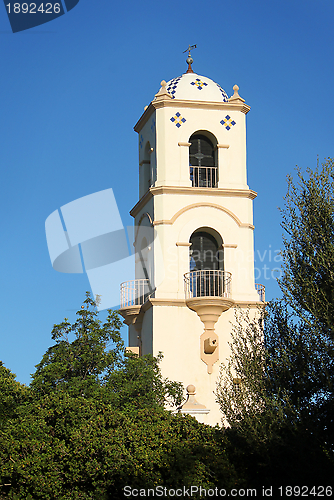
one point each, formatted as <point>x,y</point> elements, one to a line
<point>242,385</point>
<point>78,366</point>
<point>95,421</point>
<point>12,394</point>
<point>73,448</point>
<point>88,367</point>
<point>308,269</point>
<point>301,326</point>
<point>266,410</point>
<point>283,407</point>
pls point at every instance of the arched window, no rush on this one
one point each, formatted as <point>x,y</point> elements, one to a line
<point>203,252</point>
<point>206,262</point>
<point>143,283</point>
<point>147,167</point>
<point>202,161</point>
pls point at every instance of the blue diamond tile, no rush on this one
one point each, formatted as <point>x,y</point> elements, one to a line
<point>199,84</point>
<point>228,122</point>
<point>178,119</point>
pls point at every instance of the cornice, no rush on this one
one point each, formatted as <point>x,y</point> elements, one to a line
<point>179,103</point>
<point>144,118</point>
<point>224,192</point>
<point>182,303</point>
<point>141,203</point>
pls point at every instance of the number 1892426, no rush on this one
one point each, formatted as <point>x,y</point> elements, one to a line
<point>305,491</point>
<point>32,8</point>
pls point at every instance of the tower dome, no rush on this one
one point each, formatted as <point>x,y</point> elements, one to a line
<point>193,87</point>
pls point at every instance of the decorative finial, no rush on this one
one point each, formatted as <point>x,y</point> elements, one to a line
<point>236,88</point>
<point>189,59</point>
<point>191,390</point>
<point>163,93</point>
<point>192,406</point>
<point>236,97</point>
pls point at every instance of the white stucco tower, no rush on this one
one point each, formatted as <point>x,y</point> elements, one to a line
<point>194,234</point>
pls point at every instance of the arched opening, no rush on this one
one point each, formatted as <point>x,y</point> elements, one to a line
<point>143,255</point>
<point>146,174</point>
<point>206,250</point>
<point>203,160</point>
<point>206,262</point>
<point>143,282</point>
<point>144,258</point>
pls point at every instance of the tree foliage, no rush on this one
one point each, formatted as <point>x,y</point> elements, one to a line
<point>308,223</point>
<point>71,448</point>
<point>79,366</point>
<point>95,420</point>
<point>88,367</point>
<point>302,325</point>
<point>282,411</point>
<point>266,408</point>
<point>242,387</point>
<point>12,395</point>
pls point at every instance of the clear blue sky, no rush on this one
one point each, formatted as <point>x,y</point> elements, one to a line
<point>71,91</point>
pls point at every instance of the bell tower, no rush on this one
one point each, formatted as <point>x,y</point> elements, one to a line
<point>193,234</point>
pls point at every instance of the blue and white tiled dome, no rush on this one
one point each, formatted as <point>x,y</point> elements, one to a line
<point>193,87</point>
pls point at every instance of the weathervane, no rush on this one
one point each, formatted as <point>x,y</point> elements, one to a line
<point>189,59</point>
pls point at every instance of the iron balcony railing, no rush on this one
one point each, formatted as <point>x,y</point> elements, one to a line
<point>135,292</point>
<point>207,283</point>
<point>261,290</point>
<point>204,176</point>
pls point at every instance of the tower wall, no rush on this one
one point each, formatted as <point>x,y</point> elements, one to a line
<point>173,208</point>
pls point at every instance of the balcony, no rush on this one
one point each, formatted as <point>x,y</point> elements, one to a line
<point>204,177</point>
<point>261,290</point>
<point>208,283</point>
<point>208,293</point>
<point>133,295</point>
<point>135,292</point>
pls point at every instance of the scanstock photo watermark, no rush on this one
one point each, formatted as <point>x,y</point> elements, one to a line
<point>200,492</point>
<point>87,236</point>
<point>26,15</point>
<point>263,271</point>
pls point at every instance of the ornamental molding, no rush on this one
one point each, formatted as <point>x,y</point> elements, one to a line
<point>178,103</point>
<point>203,205</point>
<point>160,190</point>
